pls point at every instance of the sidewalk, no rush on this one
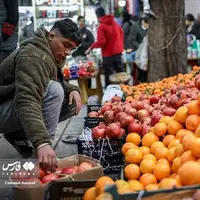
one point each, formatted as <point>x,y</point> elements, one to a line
<point>73,126</point>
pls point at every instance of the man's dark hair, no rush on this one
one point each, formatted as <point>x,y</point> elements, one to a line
<point>190,17</point>
<point>100,12</point>
<point>80,17</point>
<point>68,29</point>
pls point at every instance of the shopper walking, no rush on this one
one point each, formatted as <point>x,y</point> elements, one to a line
<point>33,95</point>
<point>9,17</point>
<point>110,39</point>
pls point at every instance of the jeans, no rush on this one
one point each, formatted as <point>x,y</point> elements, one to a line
<point>55,108</point>
<point>111,65</point>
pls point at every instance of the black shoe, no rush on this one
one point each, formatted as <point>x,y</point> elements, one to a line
<point>20,142</point>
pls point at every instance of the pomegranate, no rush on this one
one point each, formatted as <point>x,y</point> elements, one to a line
<point>146,120</point>
<point>98,132</point>
<point>68,171</point>
<point>107,103</point>
<point>145,129</point>
<point>174,101</point>
<point>105,108</point>
<point>132,112</point>
<point>143,97</point>
<point>122,133</point>
<point>116,99</point>
<point>146,102</point>
<point>127,107</point>
<point>150,109</point>
<point>156,112</point>
<point>50,177</point>
<point>163,100</point>
<point>126,120</point>
<point>113,130</point>
<point>156,118</point>
<point>93,114</point>
<point>109,116</point>
<point>116,109</point>
<point>84,166</point>
<point>139,105</point>
<point>154,99</point>
<point>118,116</point>
<point>142,114</point>
<point>174,90</point>
<point>169,111</point>
<point>102,125</point>
<point>135,127</point>
<point>75,168</point>
<point>160,106</point>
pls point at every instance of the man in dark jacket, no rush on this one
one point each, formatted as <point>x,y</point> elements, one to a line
<point>9,17</point>
<point>33,95</point>
<point>110,39</point>
<point>87,38</point>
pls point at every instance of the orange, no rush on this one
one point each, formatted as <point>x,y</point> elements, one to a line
<point>170,154</point>
<point>155,146</point>
<point>197,132</point>
<point>167,139</point>
<point>165,119</point>
<point>133,138</point>
<point>161,152</point>
<point>133,156</point>
<point>173,175</point>
<point>174,143</point>
<point>132,171</point>
<point>147,179</point>
<point>193,108</point>
<point>135,185</point>
<point>160,129</point>
<point>187,156</point>
<point>149,139</point>
<point>164,161</point>
<point>198,160</point>
<point>121,183</point>
<point>195,148</point>
<point>181,114</point>
<point>151,187</point>
<point>192,122</point>
<point>188,141</point>
<point>179,150</point>
<point>198,98</point>
<point>125,190</point>
<point>101,182</point>
<point>176,164</point>
<point>189,173</point>
<point>147,166</point>
<point>145,150</point>
<point>181,133</point>
<point>128,146</point>
<point>150,157</point>
<point>174,126</point>
<point>167,183</point>
<point>90,194</point>
<point>104,196</point>
<point>161,171</point>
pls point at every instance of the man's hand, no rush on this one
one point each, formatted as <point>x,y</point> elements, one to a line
<point>129,50</point>
<point>87,51</point>
<point>74,95</point>
<point>47,158</point>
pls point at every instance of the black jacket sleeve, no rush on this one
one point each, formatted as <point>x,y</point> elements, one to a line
<point>132,38</point>
<point>90,40</point>
<point>12,18</point>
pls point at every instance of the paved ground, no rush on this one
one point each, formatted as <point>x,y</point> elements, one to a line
<point>73,126</point>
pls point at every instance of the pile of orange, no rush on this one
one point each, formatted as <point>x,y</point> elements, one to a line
<point>134,92</point>
<point>168,153</point>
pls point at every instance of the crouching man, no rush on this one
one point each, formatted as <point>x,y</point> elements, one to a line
<point>34,98</point>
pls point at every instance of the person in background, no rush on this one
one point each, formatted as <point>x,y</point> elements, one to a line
<point>9,17</point>
<point>87,38</point>
<point>110,39</point>
<point>137,33</point>
<point>193,27</point>
<point>29,29</point>
<point>33,95</point>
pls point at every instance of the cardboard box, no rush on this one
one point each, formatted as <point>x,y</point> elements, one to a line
<point>90,176</point>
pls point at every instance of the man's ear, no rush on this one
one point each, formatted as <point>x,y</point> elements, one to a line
<point>51,35</point>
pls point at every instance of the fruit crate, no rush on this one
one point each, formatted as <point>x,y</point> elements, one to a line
<point>107,151</point>
<point>168,194</point>
<point>72,190</point>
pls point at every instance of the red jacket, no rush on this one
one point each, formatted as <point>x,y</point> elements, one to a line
<point>110,37</point>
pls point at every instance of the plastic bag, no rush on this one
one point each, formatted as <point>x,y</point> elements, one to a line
<point>141,57</point>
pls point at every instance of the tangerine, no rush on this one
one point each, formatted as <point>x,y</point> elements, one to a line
<point>167,139</point>
<point>165,120</point>
<point>150,157</point>
<point>133,156</point>
<point>121,183</point>
<point>161,152</point>
<point>170,154</point>
<point>181,114</point>
<point>101,182</point>
<point>197,132</point>
<point>149,139</point>
<point>147,179</point>
<point>176,164</point>
<point>167,183</point>
<point>174,143</point>
<point>164,161</point>
<point>182,133</point>
<point>179,150</point>
<point>192,122</point>
<point>193,107</point>
<point>174,126</point>
<point>135,185</point>
<point>155,146</point>
<point>145,150</point>
<point>133,138</point>
<point>160,129</point>
<point>132,171</point>
<point>127,146</point>
<point>90,194</point>
<point>188,141</point>
<point>147,166</point>
<point>151,187</point>
<point>187,156</point>
<point>195,148</point>
<point>161,171</point>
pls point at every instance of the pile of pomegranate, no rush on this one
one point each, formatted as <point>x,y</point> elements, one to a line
<point>121,118</point>
<point>45,177</point>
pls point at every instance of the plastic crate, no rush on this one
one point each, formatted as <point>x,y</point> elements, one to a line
<point>107,151</point>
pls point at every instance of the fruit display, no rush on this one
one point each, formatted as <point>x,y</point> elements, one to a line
<point>45,177</point>
<point>80,70</point>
